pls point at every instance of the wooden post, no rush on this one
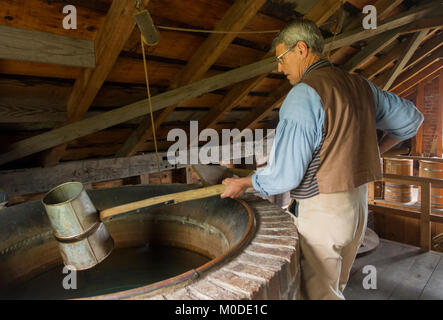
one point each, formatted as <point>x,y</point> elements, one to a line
<point>144,178</point>
<point>425,217</point>
<point>371,192</point>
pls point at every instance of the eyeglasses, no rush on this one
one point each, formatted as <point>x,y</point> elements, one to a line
<point>279,58</point>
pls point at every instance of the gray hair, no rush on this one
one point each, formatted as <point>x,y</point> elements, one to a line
<point>301,30</point>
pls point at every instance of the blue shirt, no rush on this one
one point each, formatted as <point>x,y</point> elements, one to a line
<point>299,133</point>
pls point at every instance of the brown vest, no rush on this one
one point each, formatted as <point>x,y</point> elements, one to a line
<point>348,155</point>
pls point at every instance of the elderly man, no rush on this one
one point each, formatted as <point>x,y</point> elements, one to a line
<point>325,152</point>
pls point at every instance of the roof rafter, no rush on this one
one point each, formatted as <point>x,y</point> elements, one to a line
<point>407,54</point>
<point>318,13</point>
<point>235,19</point>
<point>110,40</point>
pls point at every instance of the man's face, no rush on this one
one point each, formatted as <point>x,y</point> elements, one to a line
<point>291,64</point>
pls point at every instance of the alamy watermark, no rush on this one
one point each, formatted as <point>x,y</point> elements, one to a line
<point>233,145</point>
<point>70,281</point>
<point>370,281</point>
<point>370,21</point>
<point>70,21</point>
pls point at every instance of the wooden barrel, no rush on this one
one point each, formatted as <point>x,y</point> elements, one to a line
<point>393,191</point>
<point>432,169</point>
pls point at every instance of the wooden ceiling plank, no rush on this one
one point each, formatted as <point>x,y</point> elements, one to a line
<point>384,7</point>
<point>323,10</point>
<point>380,65</point>
<point>428,47</point>
<point>37,46</point>
<point>258,114</point>
<point>241,90</point>
<point>424,63</point>
<point>108,119</point>
<point>424,24</point>
<point>350,37</point>
<point>374,46</point>
<point>423,75</point>
<point>235,19</point>
<point>112,36</point>
<point>408,52</point>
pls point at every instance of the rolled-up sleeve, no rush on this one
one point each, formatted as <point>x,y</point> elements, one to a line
<point>398,117</point>
<point>297,135</point>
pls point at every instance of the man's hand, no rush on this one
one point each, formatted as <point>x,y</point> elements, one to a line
<point>235,187</point>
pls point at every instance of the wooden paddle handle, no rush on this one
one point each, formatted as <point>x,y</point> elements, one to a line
<point>171,198</point>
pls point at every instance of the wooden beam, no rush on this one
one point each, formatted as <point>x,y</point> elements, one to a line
<point>111,38</point>
<point>384,7</point>
<point>406,56</point>
<point>427,23</point>
<point>425,221</point>
<point>383,63</point>
<point>425,50</point>
<point>423,75</point>
<point>272,102</point>
<point>374,46</point>
<point>417,68</point>
<point>37,46</point>
<point>108,119</point>
<point>37,180</point>
<point>235,19</point>
<point>317,13</point>
<point>323,10</point>
<point>350,37</point>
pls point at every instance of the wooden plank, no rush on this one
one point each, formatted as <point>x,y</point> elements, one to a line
<point>323,10</point>
<point>426,73</point>
<point>235,19</point>
<point>36,46</point>
<point>384,62</point>
<point>426,49</point>
<point>239,92</point>
<point>434,288</point>
<point>47,16</point>
<point>424,24</point>
<point>425,222</point>
<point>108,119</point>
<point>37,180</point>
<point>272,102</point>
<point>406,56</point>
<point>112,36</point>
<point>417,68</point>
<point>348,38</point>
<point>374,46</point>
<point>388,258</point>
<point>384,7</point>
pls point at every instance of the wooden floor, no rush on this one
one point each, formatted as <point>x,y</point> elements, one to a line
<point>403,272</point>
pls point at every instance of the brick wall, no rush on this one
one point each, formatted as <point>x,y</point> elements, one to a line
<point>431,114</point>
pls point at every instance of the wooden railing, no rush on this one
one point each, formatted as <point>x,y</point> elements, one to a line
<point>424,213</point>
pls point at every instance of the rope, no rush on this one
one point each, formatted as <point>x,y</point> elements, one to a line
<point>150,108</point>
<point>216,31</point>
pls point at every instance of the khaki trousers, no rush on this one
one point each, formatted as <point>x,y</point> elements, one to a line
<point>331,229</point>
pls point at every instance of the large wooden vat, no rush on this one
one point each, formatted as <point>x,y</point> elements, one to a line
<point>432,169</point>
<point>393,191</point>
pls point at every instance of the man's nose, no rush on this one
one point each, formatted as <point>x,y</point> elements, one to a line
<point>279,67</point>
